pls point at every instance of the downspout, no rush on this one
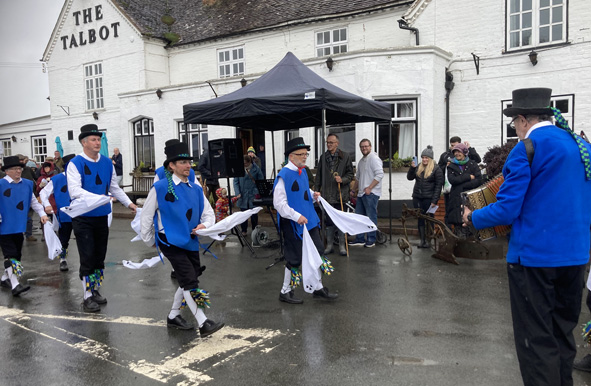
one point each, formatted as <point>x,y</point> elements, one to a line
<point>403,24</point>
<point>449,85</point>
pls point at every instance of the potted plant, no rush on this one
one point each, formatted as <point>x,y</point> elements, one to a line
<point>143,167</point>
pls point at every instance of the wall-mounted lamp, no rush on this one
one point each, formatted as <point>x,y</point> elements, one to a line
<point>159,93</point>
<point>243,82</point>
<point>13,138</point>
<point>329,63</point>
<point>533,57</point>
<point>95,116</point>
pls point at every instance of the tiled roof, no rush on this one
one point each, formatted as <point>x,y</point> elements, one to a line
<point>200,20</point>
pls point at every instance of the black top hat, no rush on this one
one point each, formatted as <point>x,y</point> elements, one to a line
<point>530,101</point>
<point>67,159</point>
<point>295,144</point>
<point>90,129</point>
<point>175,152</point>
<point>171,142</point>
<point>10,162</point>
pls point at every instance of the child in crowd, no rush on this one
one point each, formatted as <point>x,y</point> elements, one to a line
<point>222,205</point>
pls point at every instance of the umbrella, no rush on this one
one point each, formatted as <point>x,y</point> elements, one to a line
<point>104,145</point>
<point>58,146</point>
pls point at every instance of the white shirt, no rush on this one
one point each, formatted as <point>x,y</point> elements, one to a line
<point>537,126</point>
<point>34,203</point>
<point>75,183</point>
<point>370,168</point>
<point>151,207</point>
<point>280,197</point>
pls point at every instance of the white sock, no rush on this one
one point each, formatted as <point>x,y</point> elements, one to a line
<point>196,311</point>
<point>4,276</point>
<point>286,279</point>
<point>319,286</point>
<point>13,278</point>
<point>87,293</point>
<point>176,304</point>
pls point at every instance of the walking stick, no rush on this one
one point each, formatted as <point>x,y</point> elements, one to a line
<point>342,209</point>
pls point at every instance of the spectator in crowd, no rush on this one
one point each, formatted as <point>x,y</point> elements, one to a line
<point>28,174</point>
<point>47,172</point>
<point>117,160</point>
<point>58,161</point>
<point>204,167</point>
<point>245,189</point>
<point>261,155</point>
<point>252,154</point>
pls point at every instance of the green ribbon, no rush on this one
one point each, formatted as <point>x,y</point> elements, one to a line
<point>563,124</point>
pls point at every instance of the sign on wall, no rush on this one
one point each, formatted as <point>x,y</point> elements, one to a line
<point>90,35</point>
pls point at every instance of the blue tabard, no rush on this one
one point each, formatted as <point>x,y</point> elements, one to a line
<point>180,216</point>
<point>61,195</point>
<point>15,202</point>
<point>297,189</point>
<point>162,176</point>
<point>96,178</point>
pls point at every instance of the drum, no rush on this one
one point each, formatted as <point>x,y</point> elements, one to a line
<point>479,198</point>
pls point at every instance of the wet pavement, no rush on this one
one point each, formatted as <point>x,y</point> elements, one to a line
<point>397,321</point>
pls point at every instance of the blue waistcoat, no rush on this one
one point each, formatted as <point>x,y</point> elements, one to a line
<point>96,178</point>
<point>180,216</point>
<point>162,176</point>
<point>15,202</point>
<point>61,195</point>
<point>297,189</point>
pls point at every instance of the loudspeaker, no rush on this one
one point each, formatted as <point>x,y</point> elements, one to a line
<point>226,157</point>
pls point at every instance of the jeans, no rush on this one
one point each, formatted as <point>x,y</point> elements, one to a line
<point>367,205</point>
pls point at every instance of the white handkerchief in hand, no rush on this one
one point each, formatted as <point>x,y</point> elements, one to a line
<point>311,262</point>
<point>54,246</point>
<point>146,263</point>
<point>56,223</point>
<point>80,206</point>
<point>227,224</point>
<point>136,225</point>
<point>351,223</point>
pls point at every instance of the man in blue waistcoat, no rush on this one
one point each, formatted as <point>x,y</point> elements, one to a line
<point>89,175</point>
<point>293,200</point>
<point>546,200</point>
<point>16,198</point>
<point>58,186</point>
<point>174,209</point>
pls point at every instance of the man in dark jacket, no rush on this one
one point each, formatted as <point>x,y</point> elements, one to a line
<point>28,174</point>
<point>204,168</point>
<point>334,175</point>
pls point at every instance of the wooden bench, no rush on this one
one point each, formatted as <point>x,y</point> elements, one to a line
<point>140,186</point>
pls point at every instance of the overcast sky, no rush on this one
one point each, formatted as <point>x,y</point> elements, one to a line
<point>25,27</point>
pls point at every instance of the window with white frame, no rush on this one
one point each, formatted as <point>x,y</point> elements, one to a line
<point>6,147</point>
<point>564,103</point>
<point>404,131</point>
<point>93,81</point>
<point>331,42</point>
<point>39,148</point>
<point>143,135</point>
<point>198,138</point>
<point>231,62</point>
<point>532,23</point>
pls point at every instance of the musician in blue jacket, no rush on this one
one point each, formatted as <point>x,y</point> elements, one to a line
<point>16,198</point>
<point>58,186</point>
<point>547,204</point>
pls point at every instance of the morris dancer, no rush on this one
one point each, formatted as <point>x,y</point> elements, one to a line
<point>16,198</point>
<point>89,175</point>
<point>181,210</point>
<point>58,186</point>
<point>292,199</point>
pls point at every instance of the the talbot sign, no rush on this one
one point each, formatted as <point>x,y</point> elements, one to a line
<point>89,36</point>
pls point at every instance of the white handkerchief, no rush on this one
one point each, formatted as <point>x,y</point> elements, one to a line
<point>84,205</point>
<point>311,262</point>
<point>54,246</point>
<point>146,263</point>
<point>433,209</point>
<point>350,223</point>
<point>136,225</point>
<point>227,224</point>
<point>56,223</point>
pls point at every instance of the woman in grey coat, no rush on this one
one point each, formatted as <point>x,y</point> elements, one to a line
<point>246,190</point>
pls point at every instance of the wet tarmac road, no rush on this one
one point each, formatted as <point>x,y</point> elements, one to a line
<point>398,321</point>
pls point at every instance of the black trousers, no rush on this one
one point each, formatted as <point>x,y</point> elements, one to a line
<point>292,244</point>
<point>64,234</point>
<point>327,218</point>
<point>545,306</point>
<point>424,204</point>
<point>186,264</point>
<point>254,220</point>
<point>92,235</point>
<point>12,245</point>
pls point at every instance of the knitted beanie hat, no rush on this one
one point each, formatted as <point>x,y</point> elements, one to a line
<point>428,152</point>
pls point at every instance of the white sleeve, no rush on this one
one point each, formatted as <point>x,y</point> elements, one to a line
<point>147,231</point>
<point>117,191</point>
<point>37,207</point>
<point>45,193</point>
<point>74,181</point>
<point>280,202</point>
<point>208,215</point>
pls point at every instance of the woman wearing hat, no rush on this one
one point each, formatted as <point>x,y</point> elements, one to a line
<point>427,190</point>
<point>16,197</point>
<point>174,209</point>
<point>463,174</point>
<point>253,157</point>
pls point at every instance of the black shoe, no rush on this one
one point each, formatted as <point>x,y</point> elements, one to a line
<point>96,296</point>
<point>172,274</point>
<point>323,293</point>
<point>64,266</point>
<point>289,298</point>
<point>209,327</point>
<point>5,284</point>
<point>19,289</point>
<point>90,305</point>
<point>179,323</point>
<point>583,364</point>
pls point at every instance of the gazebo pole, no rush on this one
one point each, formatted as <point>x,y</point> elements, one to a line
<point>322,130</point>
<point>390,175</point>
<point>273,147</point>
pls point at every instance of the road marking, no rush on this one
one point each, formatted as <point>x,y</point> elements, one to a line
<point>224,345</point>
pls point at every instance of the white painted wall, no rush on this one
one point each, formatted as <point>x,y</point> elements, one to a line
<point>24,131</point>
